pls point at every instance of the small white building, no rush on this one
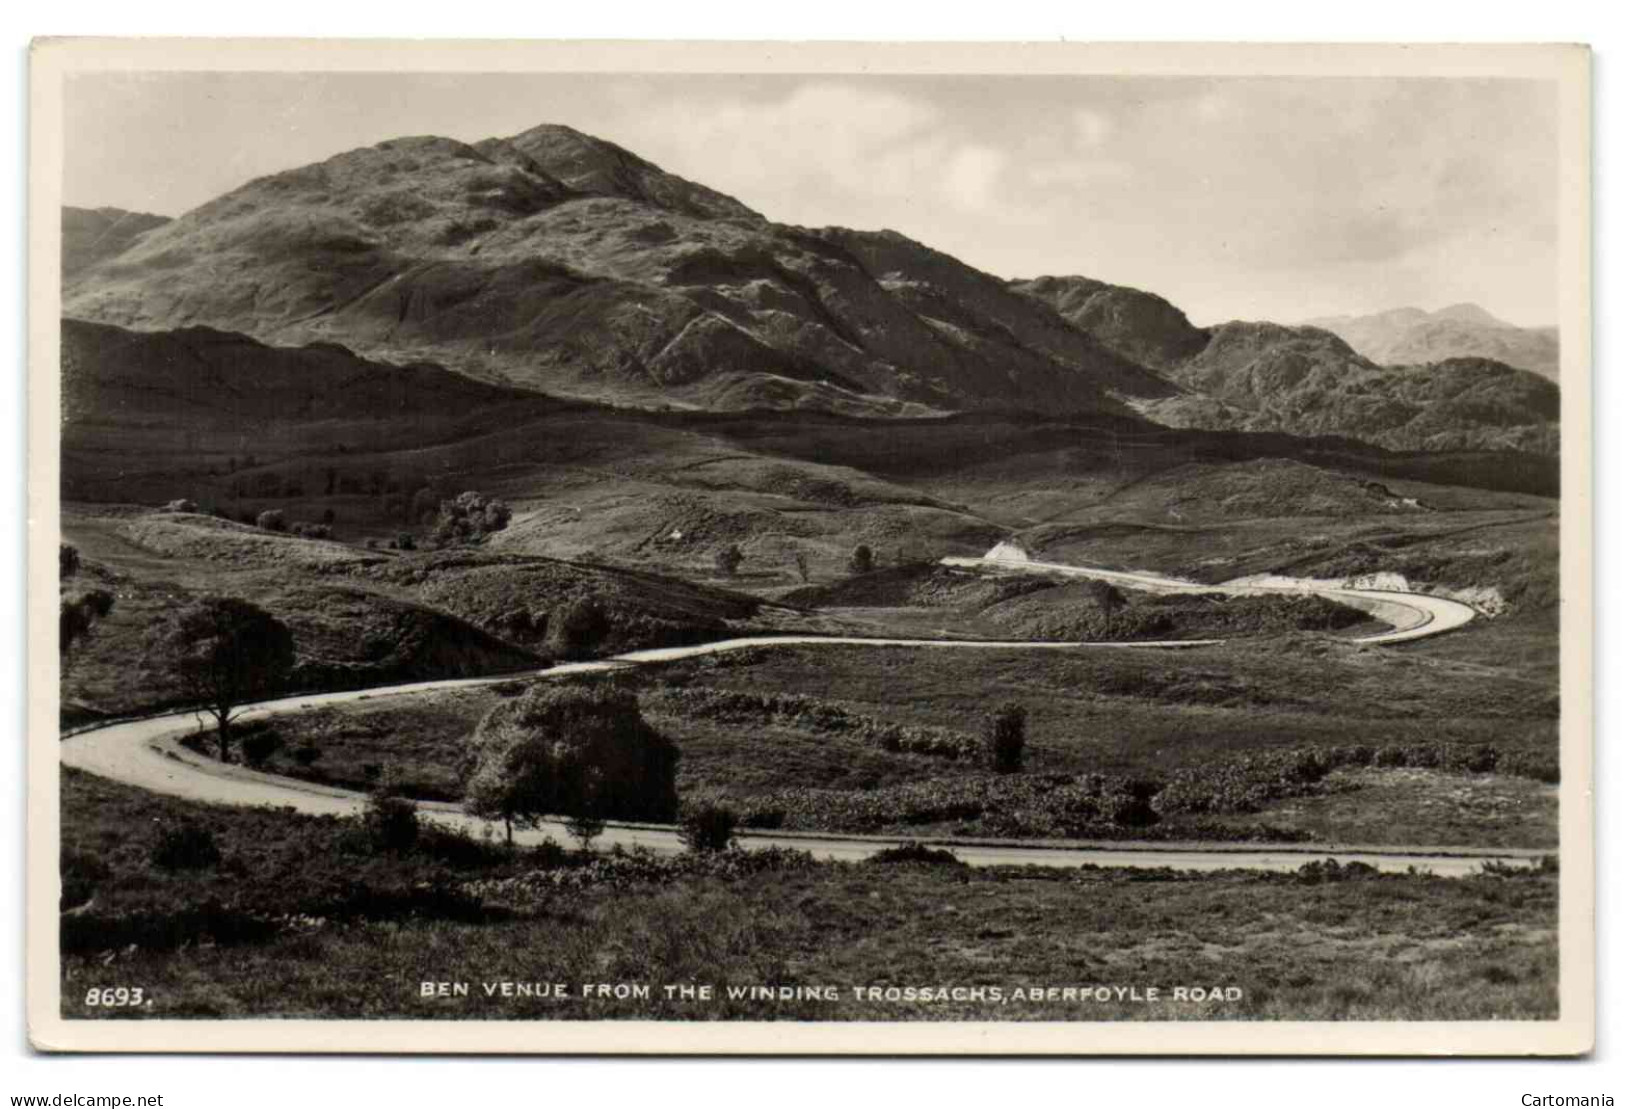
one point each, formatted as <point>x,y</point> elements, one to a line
<point>1010,550</point>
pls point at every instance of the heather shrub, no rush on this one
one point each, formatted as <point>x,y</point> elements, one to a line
<point>915,852</point>
<point>185,846</point>
<point>390,820</point>
<point>259,746</point>
<point>1006,732</point>
<point>81,872</point>
<point>1330,870</point>
<point>575,630</point>
<point>708,826</point>
<point>728,559</point>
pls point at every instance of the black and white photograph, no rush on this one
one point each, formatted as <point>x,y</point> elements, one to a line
<point>905,550</point>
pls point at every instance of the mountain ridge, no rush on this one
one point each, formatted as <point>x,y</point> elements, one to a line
<point>555,262</point>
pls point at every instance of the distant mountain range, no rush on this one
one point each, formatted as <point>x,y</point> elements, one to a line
<point>1307,380</point>
<point>1407,336</point>
<point>556,262</point>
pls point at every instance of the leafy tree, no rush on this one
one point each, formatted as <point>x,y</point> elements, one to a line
<point>424,506</point>
<point>271,520</point>
<point>1108,598</point>
<point>469,518</point>
<point>728,559</point>
<point>1006,732</point>
<point>862,560</point>
<point>79,616</point>
<point>583,752</point>
<point>586,821</point>
<point>226,652</point>
<point>802,568</point>
<point>67,556</point>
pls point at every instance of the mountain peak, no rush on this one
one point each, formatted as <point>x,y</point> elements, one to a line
<point>598,167</point>
<point>1469,313</point>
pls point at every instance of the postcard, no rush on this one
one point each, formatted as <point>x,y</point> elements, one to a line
<point>795,548</point>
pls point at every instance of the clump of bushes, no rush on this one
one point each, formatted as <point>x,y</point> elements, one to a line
<point>1330,870</point>
<point>185,846</point>
<point>708,826</point>
<point>469,518</point>
<point>912,851</point>
<point>271,519</point>
<point>576,628</point>
<point>638,867</point>
<point>181,505</point>
<point>801,711</point>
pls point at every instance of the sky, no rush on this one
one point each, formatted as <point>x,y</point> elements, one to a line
<point>1235,198</point>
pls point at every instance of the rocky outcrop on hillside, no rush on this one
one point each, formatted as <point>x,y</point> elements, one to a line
<point>1138,325</point>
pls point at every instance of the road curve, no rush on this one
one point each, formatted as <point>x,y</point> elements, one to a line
<point>144,753</point>
<point>1411,616</point>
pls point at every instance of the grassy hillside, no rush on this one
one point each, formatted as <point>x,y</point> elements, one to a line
<point>237,939</point>
<point>556,261</point>
<point>361,617</point>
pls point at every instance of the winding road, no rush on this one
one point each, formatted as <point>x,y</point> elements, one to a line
<point>146,752</point>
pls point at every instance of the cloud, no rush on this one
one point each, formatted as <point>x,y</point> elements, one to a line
<point>1093,127</point>
<point>971,176</point>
